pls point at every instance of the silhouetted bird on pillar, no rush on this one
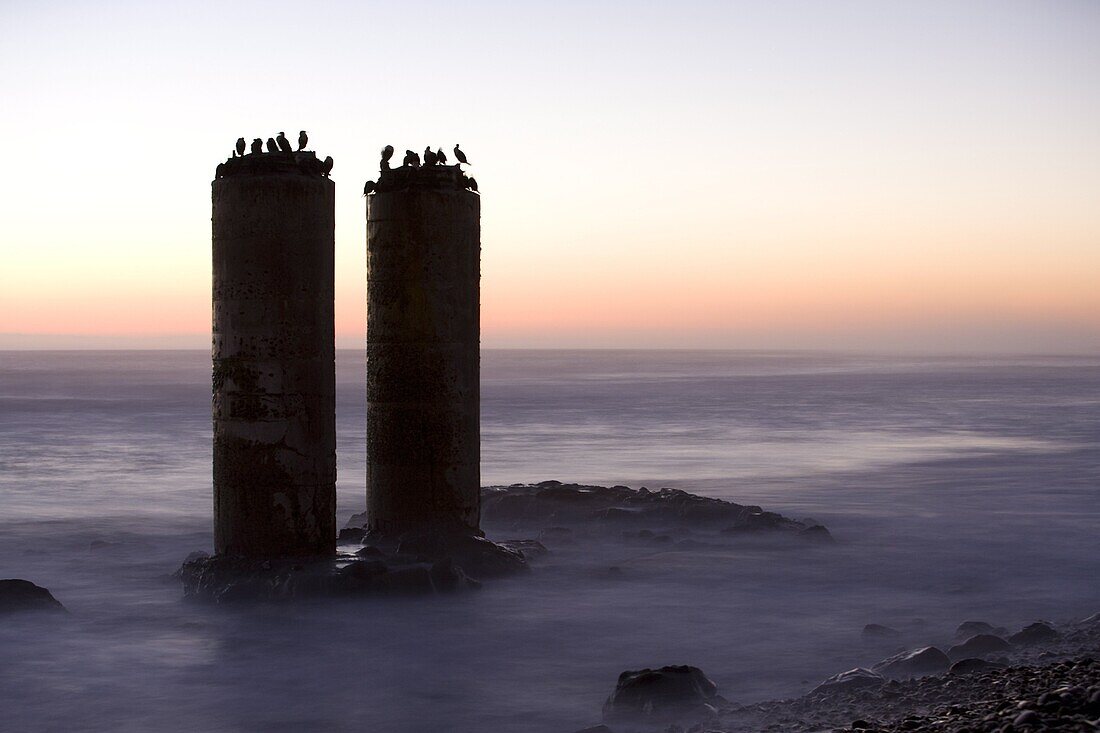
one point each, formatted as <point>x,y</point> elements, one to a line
<point>257,146</point>
<point>429,156</point>
<point>283,143</point>
<point>441,157</point>
<point>411,159</point>
<point>240,146</point>
<point>473,184</point>
<point>387,153</point>
<point>303,138</point>
<point>460,156</point>
<point>326,167</point>
<point>271,146</point>
<point>368,188</point>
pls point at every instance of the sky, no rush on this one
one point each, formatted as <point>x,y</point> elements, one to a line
<point>864,175</point>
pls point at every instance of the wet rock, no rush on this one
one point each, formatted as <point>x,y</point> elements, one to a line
<point>853,679</point>
<point>979,645</point>
<point>816,533</point>
<point>878,631</point>
<point>415,580</point>
<point>968,629</point>
<point>665,694</point>
<point>1036,633</point>
<point>529,549</point>
<point>477,556</point>
<point>196,555</point>
<point>18,595</point>
<point>970,665</point>
<point>916,663</point>
<point>1028,718</point>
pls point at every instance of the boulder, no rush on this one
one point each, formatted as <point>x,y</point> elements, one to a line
<point>970,665</point>
<point>968,629</point>
<point>917,663</point>
<point>663,695</point>
<point>979,645</point>
<point>1036,633</point>
<point>853,679</point>
<point>22,595</point>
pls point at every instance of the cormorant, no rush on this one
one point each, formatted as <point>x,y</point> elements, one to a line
<point>411,159</point>
<point>284,144</point>
<point>429,156</point>
<point>271,146</point>
<point>257,146</point>
<point>368,188</point>
<point>473,184</point>
<point>240,146</point>
<point>387,153</point>
<point>326,167</point>
<point>219,172</point>
<point>303,138</point>
<point>460,156</point>
<point>441,157</point>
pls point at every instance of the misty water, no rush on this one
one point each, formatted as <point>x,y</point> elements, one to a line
<point>956,488</point>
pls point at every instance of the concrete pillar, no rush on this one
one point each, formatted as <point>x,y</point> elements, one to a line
<point>274,357</point>
<point>423,370</point>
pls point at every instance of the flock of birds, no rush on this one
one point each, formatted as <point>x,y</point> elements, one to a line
<point>412,160</point>
<point>280,144</point>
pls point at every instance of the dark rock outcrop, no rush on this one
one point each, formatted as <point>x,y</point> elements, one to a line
<point>661,695</point>
<point>853,679</point>
<point>880,632</point>
<point>22,595</point>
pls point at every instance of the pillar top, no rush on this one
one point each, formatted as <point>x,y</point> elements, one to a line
<point>303,162</point>
<point>436,177</point>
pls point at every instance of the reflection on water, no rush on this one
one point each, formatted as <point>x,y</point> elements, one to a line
<point>957,488</point>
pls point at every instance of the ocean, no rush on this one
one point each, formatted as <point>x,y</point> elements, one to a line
<point>957,488</point>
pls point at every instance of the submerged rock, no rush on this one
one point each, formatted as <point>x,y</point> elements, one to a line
<point>916,663</point>
<point>968,629</point>
<point>17,595</point>
<point>878,631</point>
<point>1036,633</point>
<point>663,695</point>
<point>980,645</point>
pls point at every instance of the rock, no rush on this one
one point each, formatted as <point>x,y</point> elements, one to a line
<point>22,595</point>
<point>816,533</point>
<point>971,665</point>
<point>529,549</point>
<point>596,729</point>
<point>369,551</point>
<point>968,629</point>
<point>477,556</point>
<point>979,645</point>
<point>415,580</point>
<point>196,555</point>
<point>878,631</point>
<point>917,663</point>
<point>1036,633</point>
<point>350,535</point>
<point>1028,718</point>
<point>1089,621</point>
<point>861,725</point>
<point>665,694</point>
<point>853,679</point>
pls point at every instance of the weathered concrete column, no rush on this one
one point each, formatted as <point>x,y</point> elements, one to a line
<point>423,370</point>
<point>274,360</point>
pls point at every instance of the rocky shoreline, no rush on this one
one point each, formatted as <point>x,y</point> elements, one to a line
<point>1042,678</point>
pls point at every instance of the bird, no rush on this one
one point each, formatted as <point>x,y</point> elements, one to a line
<point>473,184</point>
<point>368,188</point>
<point>441,157</point>
<point>460,156</point>
<point>326,167</point>
<point>271,146</point>
<point>219,172</point>
<point>284,144</point>
<point>411,159</point>
<point>387,153</point>
<point>429,156</point>
<point>240,146</point>
<point>303,138</point>
<point>257,146</point>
